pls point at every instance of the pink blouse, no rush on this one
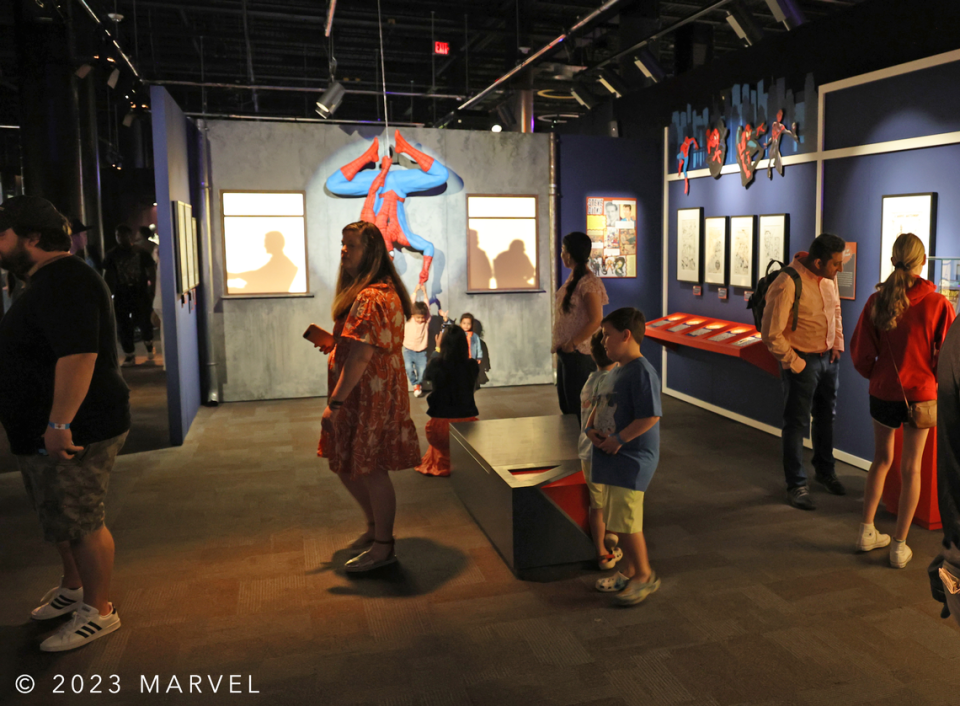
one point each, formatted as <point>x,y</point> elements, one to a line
<point>568,324</point>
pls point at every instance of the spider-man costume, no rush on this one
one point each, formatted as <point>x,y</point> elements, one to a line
<point>386,191</point>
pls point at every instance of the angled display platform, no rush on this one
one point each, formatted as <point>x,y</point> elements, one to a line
<point>521,481</point>
<point>714,335</point>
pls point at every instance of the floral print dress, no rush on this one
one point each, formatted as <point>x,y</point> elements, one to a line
<point>373,430</point>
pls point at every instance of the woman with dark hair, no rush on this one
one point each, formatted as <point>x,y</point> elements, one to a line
<point>579,311</point>
<point>366,427</point>
<point>453,376</point>
<point>896,346</point>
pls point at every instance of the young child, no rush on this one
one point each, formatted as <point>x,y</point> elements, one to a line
<point>625,432</point>
<point>453,376</point>
<point>608,554</point>
<point>473,338</point>
<point>415,333</point>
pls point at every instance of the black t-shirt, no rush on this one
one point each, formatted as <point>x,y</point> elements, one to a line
<point>127,271</point>
<point>453,384</point>
<point>65,310</point>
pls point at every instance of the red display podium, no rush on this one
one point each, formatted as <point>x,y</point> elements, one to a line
<point>928,511</point>
<point>715,335</point>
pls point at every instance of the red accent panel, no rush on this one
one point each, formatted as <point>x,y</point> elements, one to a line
<point>572,499</point>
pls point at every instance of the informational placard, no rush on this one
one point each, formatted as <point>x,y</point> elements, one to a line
<point>847,280</point>
<point>727,335</point>
<point>715,251</point>
<point>755,338</point>
<point>741,251</point>
<point>612,227</point>
<point>906,213</point>
<point>688,244</point>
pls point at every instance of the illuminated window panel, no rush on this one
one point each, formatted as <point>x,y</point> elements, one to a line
<point>502,244</point>
<point>265,245</point>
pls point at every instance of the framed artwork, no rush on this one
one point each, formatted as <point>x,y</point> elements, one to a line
<point>715,250</point>
<point>774,243</point>
<point>688,244</point>
<point>195,247</point>
<point>502,253</point>
<point>182,219</point>
<point>264,242</point>
<point>741,251</point>
<point>906,213</point>
<point>612,227</point>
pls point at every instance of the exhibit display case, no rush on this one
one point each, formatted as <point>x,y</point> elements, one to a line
<point>714,335</point>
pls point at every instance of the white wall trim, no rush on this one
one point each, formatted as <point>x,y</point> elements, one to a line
<point>890,71</point>
<point>666,244</point>
<point>843,456</point>
<point>735,168</point>
<point>909,143</point>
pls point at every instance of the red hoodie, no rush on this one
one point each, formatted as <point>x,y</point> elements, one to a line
<point>915,344</point>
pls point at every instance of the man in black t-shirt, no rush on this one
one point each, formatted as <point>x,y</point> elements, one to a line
<point>130,273</point>
<point>65,409</point>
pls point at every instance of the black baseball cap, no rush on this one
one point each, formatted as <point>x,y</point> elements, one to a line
<point>31,213</point>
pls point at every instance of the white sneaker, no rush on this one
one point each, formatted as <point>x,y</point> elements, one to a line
<point>900,555</point>
<point>86,626</point>
<point>871,539</point>
<point>58,601</point>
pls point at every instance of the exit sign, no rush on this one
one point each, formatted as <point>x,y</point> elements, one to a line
<point>441,48</point>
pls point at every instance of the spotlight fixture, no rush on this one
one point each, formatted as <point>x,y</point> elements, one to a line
<point>496,128</point>
<point>648,64</point>
<point>508,120</point>
<point>612,83</point>
<point>114,78</point>
<point>128,119</point>
<point>742,22</point>
<point>584,96</point>
<point>331,99</point>
<point>83,71</point>
<point>786,12</point>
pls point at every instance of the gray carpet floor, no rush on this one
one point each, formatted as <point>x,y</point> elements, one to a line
<point>230,554</point>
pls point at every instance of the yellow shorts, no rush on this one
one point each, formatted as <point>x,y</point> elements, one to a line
<point>594,490</point>
<point>622,509</point>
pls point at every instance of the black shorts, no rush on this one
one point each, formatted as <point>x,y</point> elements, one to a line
<point>889,414</point>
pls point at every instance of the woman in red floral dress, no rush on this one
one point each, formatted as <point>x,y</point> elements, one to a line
<point>366,429</point>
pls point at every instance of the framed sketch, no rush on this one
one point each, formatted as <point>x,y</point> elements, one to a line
<point>182,219</point>
<point>906,213</point>
<point>741,251</point>
<point>774,241</point>
<point>688,244</point>
<point>715,250</point>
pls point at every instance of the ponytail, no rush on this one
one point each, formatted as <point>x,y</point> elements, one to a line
<point>892,301</point>
<point>578,247</point>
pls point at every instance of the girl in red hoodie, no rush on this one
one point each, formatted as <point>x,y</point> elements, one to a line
<point>895,346</point>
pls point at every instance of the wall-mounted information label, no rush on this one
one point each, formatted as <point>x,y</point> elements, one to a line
<point>847,280</point>
<point>747,295</point>
<point>697,290</point>
<point>722,292</point>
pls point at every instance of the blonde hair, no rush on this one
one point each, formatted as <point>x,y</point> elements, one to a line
<point>376,266</point>
<point>891,301</point>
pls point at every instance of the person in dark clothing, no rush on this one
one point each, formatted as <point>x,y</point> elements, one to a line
<point>453,375</point>
<point>944,572</point>
<point>130,273</point>
<point>65,409</point>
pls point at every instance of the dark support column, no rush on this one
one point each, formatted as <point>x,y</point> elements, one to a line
<point>693,47</point>
<point>90,165</point>
<point>49,127</point>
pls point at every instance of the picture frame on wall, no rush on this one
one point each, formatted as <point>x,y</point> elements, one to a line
<point>612,228</point>
<point>774,241</point>
<point>195,247</point>
<point>906,213</point>
<point>715,250</point>
<point>182,217</point>
<point>741,251</point>
<point>689,235</point>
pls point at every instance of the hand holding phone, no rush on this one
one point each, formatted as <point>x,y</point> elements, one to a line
<point>319,338</point>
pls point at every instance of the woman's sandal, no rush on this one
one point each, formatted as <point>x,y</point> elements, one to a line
<point>608,561</point>
<point>365,562</point>
<point>361,543</point>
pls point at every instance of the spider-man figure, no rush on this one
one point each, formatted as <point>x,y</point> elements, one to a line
<point>749,151</point>
<point>777,131</point>
<point>717,148</point>
<point>386,192</point>
<point>684,160</point>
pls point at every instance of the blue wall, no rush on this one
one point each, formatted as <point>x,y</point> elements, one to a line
<point>619,168</point>
<point>171,133</point>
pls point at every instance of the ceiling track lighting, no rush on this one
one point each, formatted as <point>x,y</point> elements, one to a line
<point>649,66</point>
<point>612,83</point>
<point>114,78</point>
<point>331,99</point>
<point>787,13</point>
<point>743,23</point>
<point>584,96</point>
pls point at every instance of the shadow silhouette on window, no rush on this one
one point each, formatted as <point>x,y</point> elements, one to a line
<point>513,269</point>
<point>275,277</point>
<point>480,272</point>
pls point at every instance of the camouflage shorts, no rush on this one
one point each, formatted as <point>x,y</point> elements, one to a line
<point>68,494</point>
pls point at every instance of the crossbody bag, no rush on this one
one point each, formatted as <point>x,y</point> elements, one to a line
<point>920,415</point>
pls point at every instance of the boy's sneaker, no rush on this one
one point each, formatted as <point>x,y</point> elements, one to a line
<point>900,555</point>
<point>870,539</point>
<point>417,391</point>
<point>612,584</point>
<point>151,354</point>
<point>129,361</point>
<point>58,601</point>
<point>799,497</point>
<point>635,591</point>
<point>86,626</point>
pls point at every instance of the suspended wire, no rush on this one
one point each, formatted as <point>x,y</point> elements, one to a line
<point>383,76</point>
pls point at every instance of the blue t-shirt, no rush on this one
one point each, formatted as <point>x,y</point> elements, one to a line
<point>628,392</point>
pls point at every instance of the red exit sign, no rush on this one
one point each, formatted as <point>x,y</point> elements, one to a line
<point>441,48</point>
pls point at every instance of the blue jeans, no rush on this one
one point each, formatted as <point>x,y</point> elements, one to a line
<point>415,362</point>
<point>810,392</point>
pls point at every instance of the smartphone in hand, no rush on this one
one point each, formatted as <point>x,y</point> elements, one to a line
<point>319,338</point>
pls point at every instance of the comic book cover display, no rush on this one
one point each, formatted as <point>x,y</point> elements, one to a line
<point>612,227</point>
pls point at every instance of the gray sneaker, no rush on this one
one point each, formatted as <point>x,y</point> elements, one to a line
<point>800,498</point>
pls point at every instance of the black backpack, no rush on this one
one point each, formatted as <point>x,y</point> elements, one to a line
<point>759,297</point>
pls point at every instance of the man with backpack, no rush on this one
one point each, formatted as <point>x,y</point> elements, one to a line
<point>802,327</point>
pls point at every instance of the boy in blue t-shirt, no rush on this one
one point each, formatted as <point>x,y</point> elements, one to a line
<point>625,433</point>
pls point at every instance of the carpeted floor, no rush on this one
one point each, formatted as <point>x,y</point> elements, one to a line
<point>229,556</point>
